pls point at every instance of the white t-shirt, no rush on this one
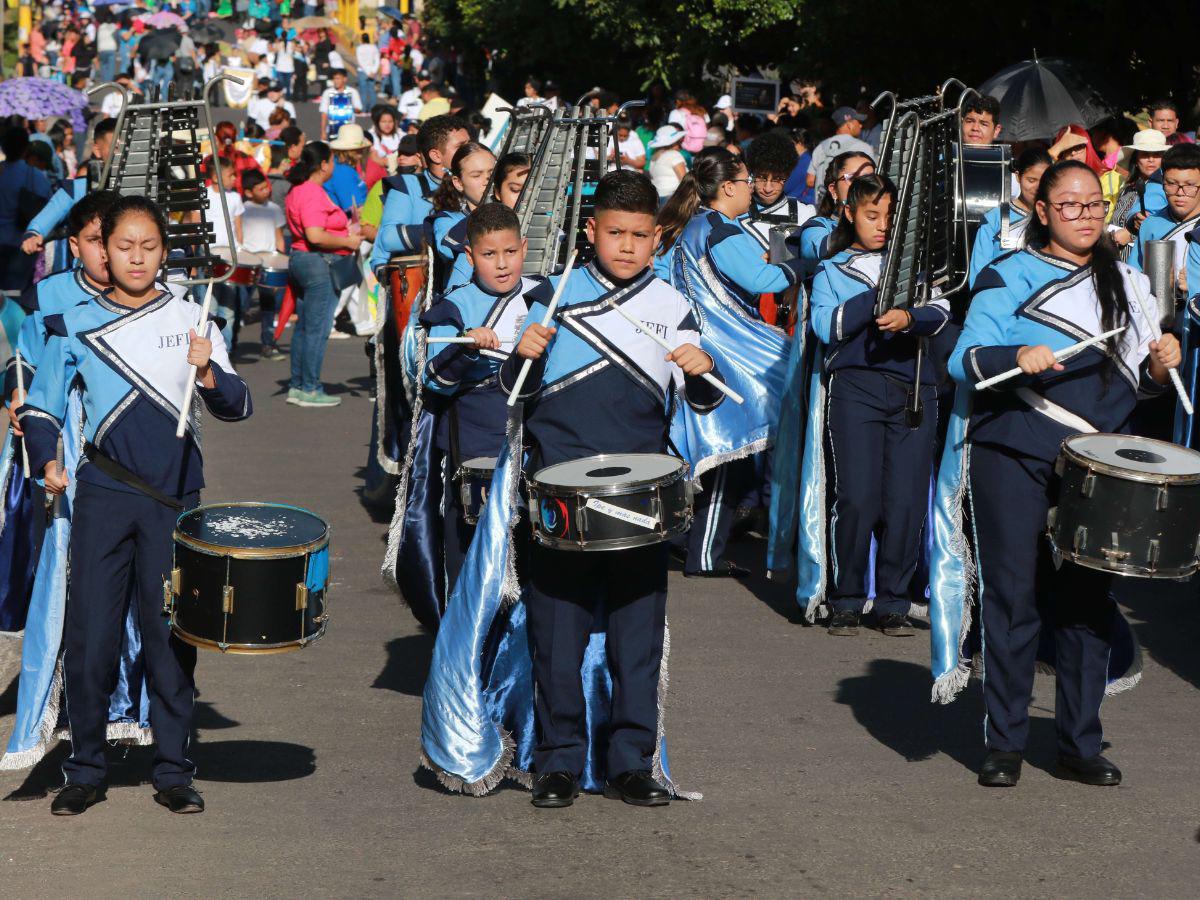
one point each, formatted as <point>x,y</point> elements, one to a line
<point>106,38</point>
<point>336,61</point>
<point>284,61</point>
<point>632,146</point>
<point>386,143</point>
<point>662,171</point>
<point>110,106</point>
<point>260,47</point>
<point>236,208</point>
<point>259,224</point>
<point>410,103</point>
<point>417,58</point>
<point>260,108</point>
<point>368,59</point>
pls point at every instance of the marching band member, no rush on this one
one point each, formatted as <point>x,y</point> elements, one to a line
<point>1065,286</point>
<point>880,459</point>
<point>490,308</point>
<point>132,349</point>
<point>1181,183</point>
<point>700,224</point>
<point>771,157</point>
<point>456,197</point>
<point>598,386</point>
<point>512,171</point>
<point>1003,227</point>
<point>814,234</point>
<point>408,198</point>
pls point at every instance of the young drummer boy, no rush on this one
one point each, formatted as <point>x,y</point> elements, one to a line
<point>599,385</point>
<point>491,310</point>
<point>770,159</point>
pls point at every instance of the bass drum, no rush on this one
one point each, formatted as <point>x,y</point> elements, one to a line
<point>987,182</point>
<point>1129,505</point>
<point>249,578</point>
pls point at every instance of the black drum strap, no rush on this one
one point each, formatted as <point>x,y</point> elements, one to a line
<point>114,469</point>
<point>455,456</point>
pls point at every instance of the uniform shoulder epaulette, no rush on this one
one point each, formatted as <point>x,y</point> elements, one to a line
<point>541,293</point>
<point>722,230</point>
<point>28,300</point>
<point>56,325</point>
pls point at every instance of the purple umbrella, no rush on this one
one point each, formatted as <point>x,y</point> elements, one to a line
<point>40,98</point>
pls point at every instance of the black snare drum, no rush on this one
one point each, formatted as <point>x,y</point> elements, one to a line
<point>474,480</point>
<point>249,578</point>
<point>1129,505</point>
<point>610,502</point>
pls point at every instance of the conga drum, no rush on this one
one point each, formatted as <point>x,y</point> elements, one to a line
<point>247,270</point>
<point>405,279</point>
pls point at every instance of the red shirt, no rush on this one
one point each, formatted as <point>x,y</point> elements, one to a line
<point>308,206</point>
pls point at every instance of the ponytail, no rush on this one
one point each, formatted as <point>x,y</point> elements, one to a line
<point>710,170</point>
<point>448,198</point>
<point>829,202</point>
<point>864,189</point>
<point>312,157</point>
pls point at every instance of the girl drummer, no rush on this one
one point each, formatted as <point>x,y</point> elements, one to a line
<point>1003,228</point>
<point>456,198</point>
<point>132,349</point>
<point>814,234</point>
<point>1064,287</point>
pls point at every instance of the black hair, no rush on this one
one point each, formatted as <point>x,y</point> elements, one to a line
<point>1164,103</point>
<point>829,202</point>
<point>712,167</point>
<point>291,136</point>
<point>1106,272</point>
<point>311,159</point>
<point>625,190</point>
<point>984,105</point>
<point>341,72</point>
<point>863,190</point>
<point>434,132</point>
<point>252,178</point>
<point>1181,156</point>
<point>507,164</point>
<point>58,133</point>
<point>1030,157</point>
<point>478,123</point>
<point>448,198</point>
<point>489,218</point>
<point>379,110</point>
<point>772,153</point>
<point>534,83</point>
<point>13,142</point>
<point>133,204</point>
<point>801,136</point>
<point>91,206</point>
<point>105,126</point>
<point>254,131</point>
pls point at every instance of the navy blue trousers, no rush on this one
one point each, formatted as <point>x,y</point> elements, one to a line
<point>716,506</point>
<point>1010,496</point>
<point>118,538</point>
<point>570,594</point>
<point>456,533</point>
<point>881,469</point>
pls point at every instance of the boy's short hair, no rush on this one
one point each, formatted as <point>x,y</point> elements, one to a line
<point>105,126</point>
<point>983,104</point>
<point>91,206</point>
<point>333,72</point>
<point>252,178</point>
<point>772,153</point>
<point>1181,156</point>
<point>626,191</point>
<point>489,218</point>
<point>1164,103</point>
<point>435,130</point>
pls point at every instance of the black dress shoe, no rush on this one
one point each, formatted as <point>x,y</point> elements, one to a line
<point>1094,770</point>
<point>555,789</point>
<point>74,799</point>
<point>183,798</point>
<point>896,625</point>
<point>843,624</point>
<point>637,787</point>
<point>679,554</point>
<point>1001,768</point>
<point>727,569</point>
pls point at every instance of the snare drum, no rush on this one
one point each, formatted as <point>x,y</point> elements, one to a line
<point>249,578</point>
<point>246,272</point>
<point>274,270</point>
<point>1129,505</point>
<point>474,480</point>
<point>404,277</point>
<point>610,502</point>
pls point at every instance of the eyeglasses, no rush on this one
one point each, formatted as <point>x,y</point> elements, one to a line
<point>1181,188</point>
<point>749,180</point>
<point>768,179</point>
<point>1070,210</point>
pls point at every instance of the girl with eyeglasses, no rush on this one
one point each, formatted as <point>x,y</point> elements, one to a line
<point>1066,285</point>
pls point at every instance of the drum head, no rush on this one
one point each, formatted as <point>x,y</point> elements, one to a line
<point>252,526</point>
<point>609,469</point>
<point>480,464</point>
<point>1140,455</point>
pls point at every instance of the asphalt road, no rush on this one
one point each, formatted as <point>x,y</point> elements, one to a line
<point>825,769</point>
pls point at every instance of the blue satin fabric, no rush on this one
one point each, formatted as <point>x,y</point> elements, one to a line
<point>420,564</point>
<point>1185,425</point>
<point>955,588</point>
<point>789,447</point>
<point>751,357</point>
<point>477,721</point>
<point>18,538</point>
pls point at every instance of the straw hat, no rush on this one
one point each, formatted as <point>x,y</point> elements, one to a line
<point>350,137</point>
<point>1149,140</point>
<point>666,136</point>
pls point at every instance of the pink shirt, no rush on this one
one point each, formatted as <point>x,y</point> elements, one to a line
<point>308,206</point>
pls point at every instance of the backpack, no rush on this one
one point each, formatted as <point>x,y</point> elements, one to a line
<point>695,130</point>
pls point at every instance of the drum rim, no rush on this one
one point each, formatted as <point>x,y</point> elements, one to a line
<point>1104,468</point>
<point>465,468</point>
<point>245,649</point>
<point>601,545</point>
<point>288,552</point>
<point>632,487</point>
<point>1126,569</point>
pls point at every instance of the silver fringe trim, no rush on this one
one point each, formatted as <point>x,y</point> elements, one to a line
<point>817,600</point>
<point>47,728</point>
<point>488,782</point>
<point>510,591</point>
<point>7,468</point>
<point>664,681</point>
<point>947,687</point>
<point>709,463</point>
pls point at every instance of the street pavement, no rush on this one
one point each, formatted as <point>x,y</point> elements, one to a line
<point>824,768</point>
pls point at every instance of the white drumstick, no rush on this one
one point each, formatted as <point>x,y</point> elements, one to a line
<point>1063,354</point>
<point>21,402</point>
<point>707,376</point>
<point>450,340</point>
<point>1155,330</point>
<point>188,391</point>
<point>546,320</point>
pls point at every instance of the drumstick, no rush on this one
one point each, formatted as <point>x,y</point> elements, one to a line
<point>450,340</point>
<point>546,320</point>
<point>707,376</point>
<point>188,391</point>
<point>21,402</point>
<point>1065,353</point>
<point>1155,330</point>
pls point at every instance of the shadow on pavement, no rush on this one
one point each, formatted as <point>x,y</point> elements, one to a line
<point>8,700</point>
<point>1166,621</point>
<point>779,596</point>
<point>892,703</point>
<point>247,762</point>
<point>407,664</point>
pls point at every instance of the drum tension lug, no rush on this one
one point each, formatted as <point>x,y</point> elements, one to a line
<point>301,596</point>
<point>1089,484</point>
<point>1161,501</point>
<point>1152,555</point>
<point>1080,538</point>
<point>227,599</point>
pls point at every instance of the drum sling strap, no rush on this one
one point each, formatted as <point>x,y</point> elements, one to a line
<point>114,469</point>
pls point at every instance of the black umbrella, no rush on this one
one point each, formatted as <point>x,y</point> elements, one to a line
<point>211,32</point>
<point>1039,96</point>
<point>159,44</point>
